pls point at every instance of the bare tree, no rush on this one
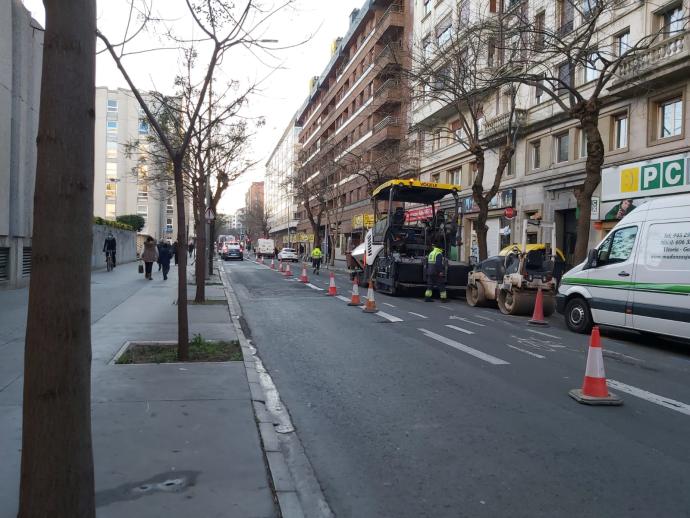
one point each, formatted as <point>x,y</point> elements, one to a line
<point>457,75</point>
<point>575,61</point>
<point>223,25</point>
<point>256,220</point>
<point>57,459</point>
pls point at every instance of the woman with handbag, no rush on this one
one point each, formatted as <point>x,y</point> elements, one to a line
<point>149,255</point>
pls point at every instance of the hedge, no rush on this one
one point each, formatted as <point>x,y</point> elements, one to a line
<point>109,223</point>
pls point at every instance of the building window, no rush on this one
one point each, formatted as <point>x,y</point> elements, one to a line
<point>111,149</point>
<point>592,67</point>
<point>111,190</point>
<point>511,167</point>
<point>110,210</point>
<point>443,30</point>
<point>566,13</point>
<point>620,131</point>
<point>539,26</point>
<point>535,151</point>
<point>427,7</point>
<point>622,43</point>
<point>672,21</point>
<point>143,127</point>
<point>539,92</point>
<point>111,170</point>
<point>142,210</point>
<point>582,138</point>
<point>454,176</point>
<point>436,177</point>
<point>670,118</point>
<point>587,7</point>
<point>112,105</point>
<point>111,126</point>
<point>565,77</point>
<point>562,145</point>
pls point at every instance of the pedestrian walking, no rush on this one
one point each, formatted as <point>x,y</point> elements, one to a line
<point>164,255</point>
<point>435,274</point>
<point>110,248</point>
<point>158,247</point>
<point>316,257</point>
<point>175,251</point>
<point>149,254</point>
<point>190,247</point>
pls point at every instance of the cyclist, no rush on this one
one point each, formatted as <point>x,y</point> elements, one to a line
<point>110,248</point>
<point>316,256</point>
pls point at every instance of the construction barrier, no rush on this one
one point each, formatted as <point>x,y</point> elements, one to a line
<point>594,390</point>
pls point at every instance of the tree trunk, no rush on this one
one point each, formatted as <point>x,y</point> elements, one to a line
<point>211,241</point>
<point>57,461</point>
<point>182,319</point>
<point>481,230</point>
<point>200,231</point>
<point>588,114</point>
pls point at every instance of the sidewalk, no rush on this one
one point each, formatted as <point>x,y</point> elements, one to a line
<point>174,440</point>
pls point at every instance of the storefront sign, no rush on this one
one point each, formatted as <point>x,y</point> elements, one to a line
<point>363,221</point>
<point>419,214</point>
<point>655,177</point>
<point>368,220</point>
<point>502,200</point>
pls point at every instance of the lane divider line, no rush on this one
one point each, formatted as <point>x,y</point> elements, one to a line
<point>391,318</point>
<point>417,315</point>
<point>526,352</point>
<point>669,403</point>
<point>464,348</point>
<point>453,317</point>
<point>387,304</point>
<point>446,308</point>
<point>344,299</point>
<point>484,318</point>
<point>466,331</point>
<point>314,287</point>
<point>543,334</point>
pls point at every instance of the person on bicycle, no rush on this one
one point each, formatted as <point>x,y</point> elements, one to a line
<point>316,256</point>
<point>110,247</point>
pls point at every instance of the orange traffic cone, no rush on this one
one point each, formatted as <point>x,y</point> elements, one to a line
<point>273,264</point>
<point>261,260</point>
<point>303,278</point>
<point>280,266</point>
<point>332,290</point>
<point>354,301</point>
<point>370,306</point>
<point>538,315</point>
<point>594,390</point>
<point>287,272</point>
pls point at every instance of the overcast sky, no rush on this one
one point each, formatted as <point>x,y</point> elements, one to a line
<point>282,91</point>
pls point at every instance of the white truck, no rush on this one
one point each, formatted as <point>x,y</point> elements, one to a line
<point>265,248</point>
<point>639,275</point>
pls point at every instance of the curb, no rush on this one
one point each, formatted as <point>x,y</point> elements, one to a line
<point>284,486</point>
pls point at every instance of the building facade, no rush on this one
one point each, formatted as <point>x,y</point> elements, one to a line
<point>280,204</point>
<point>123,183</point>
<point>21,42</point>
<point>643,122</point>
<point>354,124</point>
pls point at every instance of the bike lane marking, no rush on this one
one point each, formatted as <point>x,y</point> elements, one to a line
<point>527,352</point>
<point>464,348</point>
<point>388,317</point>
<point>466,331</point>
<point>417,315</point>
<point>669,403</point>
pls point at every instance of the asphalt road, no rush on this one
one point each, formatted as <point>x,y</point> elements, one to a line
<point>431,410</point>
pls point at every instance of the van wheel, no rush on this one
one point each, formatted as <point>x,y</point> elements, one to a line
<point>578,317</point>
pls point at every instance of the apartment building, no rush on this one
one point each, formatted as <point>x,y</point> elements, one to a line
<point>280,204</point>
<point>354,118</point>
<point>643,122</point>
<point>21,42</point>
<point>123,182</point>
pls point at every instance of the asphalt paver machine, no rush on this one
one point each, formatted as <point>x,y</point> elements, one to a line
<point>394,252</point>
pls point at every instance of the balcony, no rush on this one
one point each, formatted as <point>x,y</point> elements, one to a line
<point>390,128</point>
<point>394,16</point>
<point>667,52</point>
<point>498,126</point>
<point>388,93</point>
<point>391,54</point>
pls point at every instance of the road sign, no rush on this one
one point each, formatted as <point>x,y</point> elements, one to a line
<point>210,214</point>
<point>509,213</point>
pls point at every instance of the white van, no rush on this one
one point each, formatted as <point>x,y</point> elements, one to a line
<point>265,248</point>
<point>639,275</point>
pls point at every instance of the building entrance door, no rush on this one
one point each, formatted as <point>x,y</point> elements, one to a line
<point>566,232</point>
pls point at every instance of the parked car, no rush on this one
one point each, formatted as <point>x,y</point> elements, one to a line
<point>232,251</point>
<point>639,275</point>
<point>288,254</point>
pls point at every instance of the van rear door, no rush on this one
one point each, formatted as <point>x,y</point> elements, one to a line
<point>661,298</point>
<point>611,281</point>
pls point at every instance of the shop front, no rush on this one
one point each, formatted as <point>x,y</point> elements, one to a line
<point>501,227</point>
<point>627,186</point>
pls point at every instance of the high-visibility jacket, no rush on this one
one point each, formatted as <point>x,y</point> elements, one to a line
<point>316,253</point>
<point>435,260</point>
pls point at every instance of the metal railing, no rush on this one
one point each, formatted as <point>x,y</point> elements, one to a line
<point>499,124</point>
<point>386,85</point>
<point>385,122</point>
<point>392,48</point>
<point>394,8</point>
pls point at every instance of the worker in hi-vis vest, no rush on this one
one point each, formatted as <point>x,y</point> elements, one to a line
<point>316,256</point>
<point>435,274</point>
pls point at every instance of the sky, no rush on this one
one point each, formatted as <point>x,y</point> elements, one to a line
<point>283,74</point>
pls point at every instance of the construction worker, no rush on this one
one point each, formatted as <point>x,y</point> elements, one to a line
<point>435,273</point>
<point>316,256</point>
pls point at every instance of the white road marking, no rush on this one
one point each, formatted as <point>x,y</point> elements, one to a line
<point>466,331</point>
<point>389,317</point>
<point>387,304</point>
<point>543,334</point>
<point>344,299</point>
<point>526,352</point>
<point>417,314</point>
<point>464,348</point>
<point>453,317</point>
<point>669,403</point>
<point>314,287</point>
<point>484,318</point>
<point>446,308</point>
